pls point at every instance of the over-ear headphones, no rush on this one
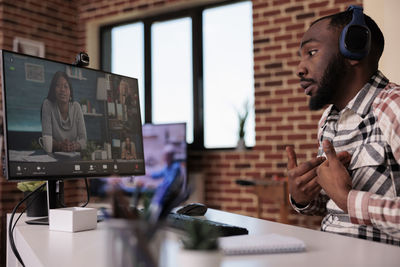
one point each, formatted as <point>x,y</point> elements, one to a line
<point>355,38</point>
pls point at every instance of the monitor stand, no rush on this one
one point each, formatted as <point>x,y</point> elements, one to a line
<point>55,200</point>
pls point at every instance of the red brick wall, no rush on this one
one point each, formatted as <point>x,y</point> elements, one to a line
<point>53,22</point>
<point>282,115</point>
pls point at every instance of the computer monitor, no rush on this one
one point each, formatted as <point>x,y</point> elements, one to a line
<point>163,144</point>
<point>63,121</point>
<point>159,141</point>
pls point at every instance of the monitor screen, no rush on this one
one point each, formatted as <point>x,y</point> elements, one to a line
<point>63,121</point>
<point>165,151</point>
<point>161,141</point>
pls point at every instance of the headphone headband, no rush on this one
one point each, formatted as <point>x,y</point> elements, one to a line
<point>355,38</point>
<point>358,15</point>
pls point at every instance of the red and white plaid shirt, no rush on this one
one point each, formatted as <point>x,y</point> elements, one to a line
<point>369,129</point>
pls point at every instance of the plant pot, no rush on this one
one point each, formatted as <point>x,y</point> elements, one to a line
<point>199,258</point>
<point>36,204</point>
<point>241,145</point>
<point>131,244</point>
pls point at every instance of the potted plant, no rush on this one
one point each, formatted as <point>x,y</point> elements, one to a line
<point>200,246</point>
<point>36,204</point>
<point>242,117</point>
<point>86,153</point>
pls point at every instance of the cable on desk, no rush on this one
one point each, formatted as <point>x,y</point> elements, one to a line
<point>87,193</point>
<point>27,207</point>
<point>11,226</point>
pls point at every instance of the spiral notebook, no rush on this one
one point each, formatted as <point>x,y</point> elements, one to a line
<point>260,244</point>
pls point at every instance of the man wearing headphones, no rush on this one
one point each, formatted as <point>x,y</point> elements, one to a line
<point>357,189</point>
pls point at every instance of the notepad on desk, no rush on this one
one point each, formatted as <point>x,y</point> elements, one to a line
<point>260,244</point>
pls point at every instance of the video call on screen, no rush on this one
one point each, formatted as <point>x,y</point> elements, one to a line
<point>63,120</point>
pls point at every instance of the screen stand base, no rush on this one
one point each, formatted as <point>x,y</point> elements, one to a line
<point>55,200</point>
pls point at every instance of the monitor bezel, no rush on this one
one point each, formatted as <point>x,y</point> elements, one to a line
<point>51,177</point>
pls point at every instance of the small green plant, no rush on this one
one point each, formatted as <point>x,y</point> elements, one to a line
<point>30,186</point>
<point>242,117</point>
<point>83,101</point>
<point>200,236</point>
<point>35,145</point>
<point>86,153</point>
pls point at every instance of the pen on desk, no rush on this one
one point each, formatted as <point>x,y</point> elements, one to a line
<point>168,195</point>
<point>158,202</point>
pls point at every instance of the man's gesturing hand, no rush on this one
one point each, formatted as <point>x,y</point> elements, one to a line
<point>333,176</point>
<point>303,186</point>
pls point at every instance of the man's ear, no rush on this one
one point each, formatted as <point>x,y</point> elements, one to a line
<point>353,62</point>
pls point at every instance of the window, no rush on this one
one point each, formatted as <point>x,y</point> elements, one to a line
<point>172,80</point>
<point>127,55</point>
<point>228,73</point>
<point>193,66</point>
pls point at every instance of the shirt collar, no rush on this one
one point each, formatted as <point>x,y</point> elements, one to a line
<point>362,102</point>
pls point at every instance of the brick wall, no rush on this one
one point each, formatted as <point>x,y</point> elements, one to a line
<point>282,115</point>
<point>53,22</point>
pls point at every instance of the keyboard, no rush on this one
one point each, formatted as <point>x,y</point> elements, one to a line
<point>180,221</point>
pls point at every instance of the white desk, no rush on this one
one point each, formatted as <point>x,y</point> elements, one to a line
<point>40,247</point>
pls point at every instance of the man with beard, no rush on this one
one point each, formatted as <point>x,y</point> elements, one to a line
<point>358,189</point>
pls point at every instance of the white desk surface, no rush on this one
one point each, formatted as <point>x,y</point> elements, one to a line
<point>40,247</point>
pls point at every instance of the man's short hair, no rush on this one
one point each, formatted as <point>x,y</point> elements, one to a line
<point>341,19</point>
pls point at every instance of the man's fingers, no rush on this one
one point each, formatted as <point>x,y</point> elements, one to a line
<point>329,150</point>
<point>308,167</point>
<point>310,186</point>
<point>310,189</point>
<point>292,160</point>
<point>344,157</point>
<point>315,191</point>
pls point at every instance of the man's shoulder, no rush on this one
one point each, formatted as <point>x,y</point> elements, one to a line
<point>387,103</point>
<point>391,93</point>
<point>386,108</point>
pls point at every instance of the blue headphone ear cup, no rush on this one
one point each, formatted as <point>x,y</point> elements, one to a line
<point>355,38</point>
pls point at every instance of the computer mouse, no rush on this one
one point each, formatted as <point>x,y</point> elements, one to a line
<point>193,209</point>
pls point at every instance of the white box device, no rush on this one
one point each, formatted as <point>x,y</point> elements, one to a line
<point>73,219</point>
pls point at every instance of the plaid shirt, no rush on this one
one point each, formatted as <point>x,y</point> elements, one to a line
<point>368,128</point>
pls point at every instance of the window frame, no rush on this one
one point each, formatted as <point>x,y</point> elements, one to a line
<point>196,15</point>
